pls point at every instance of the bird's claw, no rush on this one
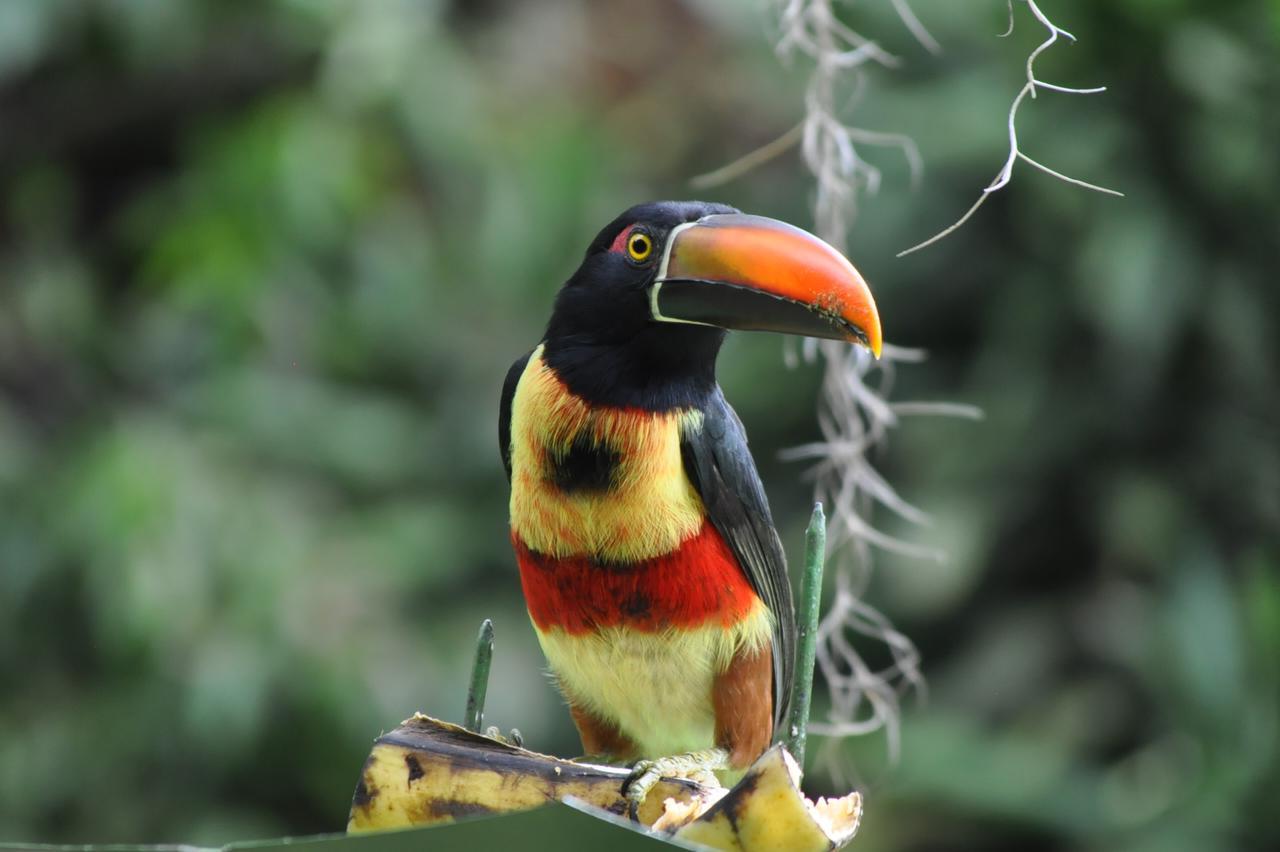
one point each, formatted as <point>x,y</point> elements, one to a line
<point>645,774</point>
<point>493,732</point>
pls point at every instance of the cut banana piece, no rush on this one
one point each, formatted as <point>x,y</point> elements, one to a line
<point>766,811</point>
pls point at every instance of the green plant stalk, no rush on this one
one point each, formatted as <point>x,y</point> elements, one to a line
<point>479,677</point>
<point>815,552</point>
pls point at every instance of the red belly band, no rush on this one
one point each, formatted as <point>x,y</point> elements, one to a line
<point>698,583</point>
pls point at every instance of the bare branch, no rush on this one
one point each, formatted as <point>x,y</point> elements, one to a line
<point>1015,153</point>
<point>1009,31</point>
<point>937,409</point>
<point>947,230</point>
<point>1040,84</point>
<point>749,161</point>
<point>812,28</point>
<point>917,29</point>
<point>1060,176</point>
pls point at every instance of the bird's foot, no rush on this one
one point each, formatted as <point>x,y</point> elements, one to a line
<point>699,766</point>
<point>512,739</point>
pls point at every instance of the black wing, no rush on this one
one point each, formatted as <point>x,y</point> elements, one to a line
<point>504,411</point>
<point>719,465</point>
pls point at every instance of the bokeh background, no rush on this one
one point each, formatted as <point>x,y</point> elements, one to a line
<point>263,267</point>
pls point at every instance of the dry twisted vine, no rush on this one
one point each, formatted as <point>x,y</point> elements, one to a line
<point>854,413</point>
<point>1015,153</point>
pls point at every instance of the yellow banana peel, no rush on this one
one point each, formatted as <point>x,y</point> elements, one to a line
<point>427,771</point>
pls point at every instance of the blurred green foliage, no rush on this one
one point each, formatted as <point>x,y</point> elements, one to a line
<point>263,267</point>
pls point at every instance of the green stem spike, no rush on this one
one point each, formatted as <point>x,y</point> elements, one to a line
<point>815,551</point>
<point>479,677</point>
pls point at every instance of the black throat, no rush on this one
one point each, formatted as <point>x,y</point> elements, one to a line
<point>661,368</point>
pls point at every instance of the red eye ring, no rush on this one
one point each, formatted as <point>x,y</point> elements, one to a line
<point>619,245</point>
<point>634,242</point>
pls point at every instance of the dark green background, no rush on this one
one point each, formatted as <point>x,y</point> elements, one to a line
<point>263,267</point>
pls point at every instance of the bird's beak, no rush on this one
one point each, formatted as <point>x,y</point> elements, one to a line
<point>748,272</point>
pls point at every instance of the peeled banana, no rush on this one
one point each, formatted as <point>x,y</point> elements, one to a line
<point>767,811</point>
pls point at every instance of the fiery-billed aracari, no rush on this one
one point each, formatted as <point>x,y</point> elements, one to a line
<point>651,568</point>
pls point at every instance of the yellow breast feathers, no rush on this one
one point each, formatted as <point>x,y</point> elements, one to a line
<point>650,508</point>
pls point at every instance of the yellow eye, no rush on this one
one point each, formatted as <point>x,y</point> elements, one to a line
<point>639,246</point>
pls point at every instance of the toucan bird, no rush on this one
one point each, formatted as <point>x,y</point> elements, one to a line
<point>652,572</point>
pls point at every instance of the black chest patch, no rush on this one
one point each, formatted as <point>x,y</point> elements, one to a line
<point>587,466</point>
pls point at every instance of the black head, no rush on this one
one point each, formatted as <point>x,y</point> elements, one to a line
<point>641,321</point>
<point>606,299</point>
<point>602,339</point>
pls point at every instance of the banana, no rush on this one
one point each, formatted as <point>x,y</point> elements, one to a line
<point>767,811</point>
<point>427,772</point>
